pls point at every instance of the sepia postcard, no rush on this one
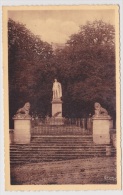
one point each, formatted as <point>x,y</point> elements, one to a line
<point>61,67</point>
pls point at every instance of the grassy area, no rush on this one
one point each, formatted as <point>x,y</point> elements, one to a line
<point>98,170</point>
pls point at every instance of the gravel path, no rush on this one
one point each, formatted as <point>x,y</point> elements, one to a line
<point>98,170</point>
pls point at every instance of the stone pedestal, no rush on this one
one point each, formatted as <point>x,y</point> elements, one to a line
<point>101,129</point>
<point>57,108</point>
<point>57,118</point>
<point>22,128</point>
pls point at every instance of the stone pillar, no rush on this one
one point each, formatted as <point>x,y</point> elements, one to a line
<point>101,129</point>
<point>22,130</point>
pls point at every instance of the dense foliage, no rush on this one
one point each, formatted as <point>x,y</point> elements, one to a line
<point>85,67</point>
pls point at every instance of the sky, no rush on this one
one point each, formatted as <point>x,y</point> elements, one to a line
<point>57,25</point>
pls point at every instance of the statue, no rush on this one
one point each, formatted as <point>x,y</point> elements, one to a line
<point>99,111</point>
<point>57,90</point>
<point>23,112</point>
<point>25,109</point>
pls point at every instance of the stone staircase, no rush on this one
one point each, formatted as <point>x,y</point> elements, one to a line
<point>57,148</point>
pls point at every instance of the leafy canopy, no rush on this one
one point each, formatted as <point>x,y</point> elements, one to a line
<point>85,67</point>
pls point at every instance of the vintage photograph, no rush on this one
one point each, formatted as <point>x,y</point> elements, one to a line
<point>62,93</point>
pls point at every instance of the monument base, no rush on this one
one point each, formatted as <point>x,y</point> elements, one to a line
<point>57,108</point>
<point>101,130</point>
<point>22,132</point>
<point>57,118</point>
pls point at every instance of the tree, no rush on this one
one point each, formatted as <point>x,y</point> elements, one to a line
<point>30,62</point>
<point>85,67</point>
<point>87,64</point>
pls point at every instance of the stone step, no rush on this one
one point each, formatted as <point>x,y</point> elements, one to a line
<point>56,151</point>
<point>41,146</point>
<point>57,146</point>
<point>44,150</point>
<point>25,157</point>
<point>68,136</point>
<point>61,139</point>
<point>62,136</point>
<point>61,143</point>
<point>52,158</point>
<point>36,146</point>
<point>55,155</point>
<point>59,151</point>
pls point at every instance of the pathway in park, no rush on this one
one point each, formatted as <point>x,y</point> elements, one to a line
<point>97,170</point>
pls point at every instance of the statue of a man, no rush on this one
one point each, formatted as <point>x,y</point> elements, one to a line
<point>57,90</point>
